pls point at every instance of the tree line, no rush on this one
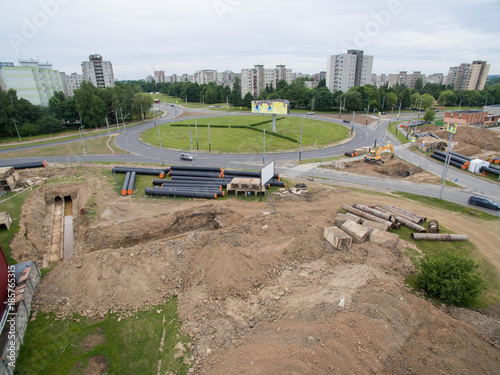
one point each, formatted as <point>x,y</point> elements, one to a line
<point>89,107</point>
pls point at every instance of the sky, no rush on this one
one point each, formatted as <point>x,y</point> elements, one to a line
<point>183,36</point>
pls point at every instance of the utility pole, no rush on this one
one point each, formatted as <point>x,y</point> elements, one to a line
<point>196,130</point>
<point>15,125</point>
<point>107,125</point>
<point>209,145</point>
<point>191,140</point>
<point>142,113</point>
<point>264,155</point>
<point>451,130</point>
<point>117,123</point>
<point>161,149</point>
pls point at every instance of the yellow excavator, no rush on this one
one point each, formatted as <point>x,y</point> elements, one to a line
<point>376,156</point>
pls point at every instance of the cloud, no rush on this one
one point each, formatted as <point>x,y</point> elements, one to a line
<point>181,37</point>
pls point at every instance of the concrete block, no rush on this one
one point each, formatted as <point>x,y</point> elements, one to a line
<point>338,238</point>
<point>342,218</point>
<point>358,233</point>
<point>372,225</point>
<point>385,239</point>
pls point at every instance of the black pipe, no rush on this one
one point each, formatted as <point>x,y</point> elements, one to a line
<point>453,157</point>
<point>186,182</point>
<point>145,171</point>
<point>36,164</point>
<point>220,193</point>
<point>434,136</point>
<point>125,183</point>
<point>195,178</point>
<point>275,183</point>
<point>494,167</point>
<point>195,174</point>
<point>194,168</point>
<point>131,183</point>
<point>191,187</point>
<point>235,173</point>
<point>180,194</point>
<point>490,170</point>
<point>443,159</point>
<point>461,156</point>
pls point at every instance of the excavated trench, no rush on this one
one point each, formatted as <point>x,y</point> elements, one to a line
<point>61,244</point>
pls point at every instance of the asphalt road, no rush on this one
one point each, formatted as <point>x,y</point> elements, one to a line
<point>286,163</point>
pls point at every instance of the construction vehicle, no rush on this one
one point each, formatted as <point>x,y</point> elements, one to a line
<point>376,156</point>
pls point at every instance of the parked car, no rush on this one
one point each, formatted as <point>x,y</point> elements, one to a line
<point>346,121</point>
<point>186,157</point>
<point>217,106</point>
<point>477,200</point>
<point>310,113</point>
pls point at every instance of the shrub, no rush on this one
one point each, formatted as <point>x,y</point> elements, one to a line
<point>451,278</point>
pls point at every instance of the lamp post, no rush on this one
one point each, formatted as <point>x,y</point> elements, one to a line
<point>300,143</point>
<point>367,110</point>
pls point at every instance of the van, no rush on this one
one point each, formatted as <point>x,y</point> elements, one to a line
<point>186,157</point>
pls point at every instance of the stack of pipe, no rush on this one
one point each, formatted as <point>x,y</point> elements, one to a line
<point>125,183</point>
<point>491,170</point>
<point>275,181</point>
<point>35,164</point>
<point>351,153</point>
<point>457,161</point>
<point>145,171</point>
<point>131,183</point>
<point>494,160</point>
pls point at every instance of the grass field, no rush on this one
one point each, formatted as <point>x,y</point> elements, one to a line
<point>228,140</point>
<point>96,146</point>
<point>130,346</point>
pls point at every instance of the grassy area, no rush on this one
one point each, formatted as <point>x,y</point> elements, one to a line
<point>449,206</point>
<point>235,140</point>
<point>130,346</point>
<point>12,204</point>
<point>95,146</point>
<point>465,249</point>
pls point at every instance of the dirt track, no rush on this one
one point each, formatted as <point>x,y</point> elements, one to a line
<point>258,293</point>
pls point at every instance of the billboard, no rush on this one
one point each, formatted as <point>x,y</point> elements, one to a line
<point>273,107</point>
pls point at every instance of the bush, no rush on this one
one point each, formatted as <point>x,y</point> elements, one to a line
<point>451,278</point>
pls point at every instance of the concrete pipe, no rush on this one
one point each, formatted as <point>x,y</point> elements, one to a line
<point>439,237</point>
<point>421,219</point>
<point>365,215</point>
<point>179,194</point>
<point>131,183</point>
<point>383,215</point>
<point>125,183</point>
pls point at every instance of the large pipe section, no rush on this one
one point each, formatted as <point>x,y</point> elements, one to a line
<point>365,215</point>
<point>453,157</point>
<point>180,194</point>
<point>396,213</point>
<point>383,215</point>
<point>194,168</point>
<point>125,183</point>
<point>419,219</point>
<point>217,191</point>
<point>439,237</point>
<point>131,183</point>
<point>408,223</point>
<point>35,164</point>
<point>452,162</point>
<point>235,173</point>
<point>145,171</point>
<point>195,174</point>
<point>496,172</point>
<point>461,156</point>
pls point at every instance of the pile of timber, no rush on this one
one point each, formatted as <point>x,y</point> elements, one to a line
<point>363,223</point>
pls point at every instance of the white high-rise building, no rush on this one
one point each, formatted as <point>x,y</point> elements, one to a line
<point>71,83</point>
<point>33,81</point>
<point>347,70</point>
<point>99,72</point>
<point>253,80</point>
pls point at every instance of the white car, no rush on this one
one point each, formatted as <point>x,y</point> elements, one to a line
<point>186,157</point>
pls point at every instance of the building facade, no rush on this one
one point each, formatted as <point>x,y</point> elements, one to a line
<point>33,81</point>
<point>348,70</point>
<point>468,76</point>
<point>71,83</point>
<point>159,76</point>
<point>99,72</point>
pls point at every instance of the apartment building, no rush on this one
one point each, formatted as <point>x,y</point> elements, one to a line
<point>159,76</point>
<point>71,83</point>
<point>33,81</point>
<point>469,76</point>
<point>99,72</point>
<point>348,70</point>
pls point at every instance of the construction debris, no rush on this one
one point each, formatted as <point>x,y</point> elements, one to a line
<point>338,238</point>
<point>358,233</point>
<point>5,220</point>
<point>385,239</point>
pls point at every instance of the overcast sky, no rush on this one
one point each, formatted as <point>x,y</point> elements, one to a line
<point>183,36</point>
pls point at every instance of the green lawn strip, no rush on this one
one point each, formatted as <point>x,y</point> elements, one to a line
<point>392,129</point>
<point>465,249</point>
<point>234,140</point>
<point>449,206</point>
<point>131,345</point>
<point>95,146</point>
<point>12,204</point>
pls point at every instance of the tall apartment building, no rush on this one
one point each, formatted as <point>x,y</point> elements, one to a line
<point>99,72</point>
<point>256,79</point>
<point>159,76</point>
<point>434,78</point>
<point>205,76</point>
<point>468,76</point>
<point>71,83</point>
<point>33,81</point>
<point>347,70</point>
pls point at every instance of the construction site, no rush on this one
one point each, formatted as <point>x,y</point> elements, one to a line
<point>260,289</point>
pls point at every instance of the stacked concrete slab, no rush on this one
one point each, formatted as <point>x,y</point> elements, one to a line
<point>358,233</point>
<point>338,238</point>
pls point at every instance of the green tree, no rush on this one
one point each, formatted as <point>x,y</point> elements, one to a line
<point>451,278</point>
<point>235,98</point>
<point>353,100</point>
<point>419,84</point>
<point>247,100</point>
<point>323,98</point>
<point>48,124</point>
<point>447,97</point>
<point>391,99</point>
<point>429,115</point>
<point>142,102</point>
<point>88,104</point>
<point>427,101</point>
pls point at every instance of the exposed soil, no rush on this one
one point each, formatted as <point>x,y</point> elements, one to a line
<point>97,365</point>
<point>261,293</point>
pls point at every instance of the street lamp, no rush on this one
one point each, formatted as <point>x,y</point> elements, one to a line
<point>367,110</point>
<point>81,137</point>
<point>300,143</point>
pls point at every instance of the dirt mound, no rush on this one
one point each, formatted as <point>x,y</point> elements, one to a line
<point>261,293</point>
